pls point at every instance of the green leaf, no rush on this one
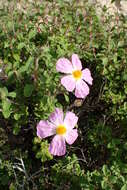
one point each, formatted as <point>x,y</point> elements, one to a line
<point>16,57</point>
<point>6,113</point>
<point>105,61</point>
<point>3,92</point>
<point>32,33</point>
<point>37,140</point>
<point>6,44</point>
<point>17,116</point>
<point>105,170</point>
<point>113,179</point>
<point>21,45</point>
<point>66,98</point>
<point>16,129</point>
<point>44,153</point>
<point>12,94</point>
<point>28,89</point>
<point>6,104</point>
<point>121,43</point>
<point>104,184</point>
<point>124,187</point>
<point>27,65</point>
<point>6,108</point>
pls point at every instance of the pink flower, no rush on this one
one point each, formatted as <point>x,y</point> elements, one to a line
<point>62,128</point>
<point>76,78</point>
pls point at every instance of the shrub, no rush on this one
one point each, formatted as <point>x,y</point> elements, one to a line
<point>31,41</point>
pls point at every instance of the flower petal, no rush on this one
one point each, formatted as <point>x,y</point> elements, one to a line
<point>71,136</point>
<point>70,120</point>
<point>82,89</point>
<point>45,129</point>
<point>58,146</point>
<point>63,65</point>
<point>57,117</point>
<point>86,75</point>
<point>76,62</point>
<point>68,82</point>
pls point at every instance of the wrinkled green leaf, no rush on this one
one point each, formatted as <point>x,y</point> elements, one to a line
<point>28,89</point>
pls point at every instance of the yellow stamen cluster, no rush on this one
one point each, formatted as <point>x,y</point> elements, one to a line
<point>61,129</point>
<point>77,74</point>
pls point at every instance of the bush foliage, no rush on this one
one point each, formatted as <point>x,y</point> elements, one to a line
<point>33,36</point>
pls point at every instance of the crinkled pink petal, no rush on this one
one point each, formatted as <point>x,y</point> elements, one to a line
<point>86,75</point>
<point>63,65</point>
<point>45,129</point>
<point>68,82</point>
<point>70,120</point>
<point>76,62</point>
<point>58,146</point>
<point>57,117</point>
<point>71,136</point>
<point>81,90</point>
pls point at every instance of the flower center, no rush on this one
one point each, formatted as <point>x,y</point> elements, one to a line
<point>60,130</point>
<point>77,74</point>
